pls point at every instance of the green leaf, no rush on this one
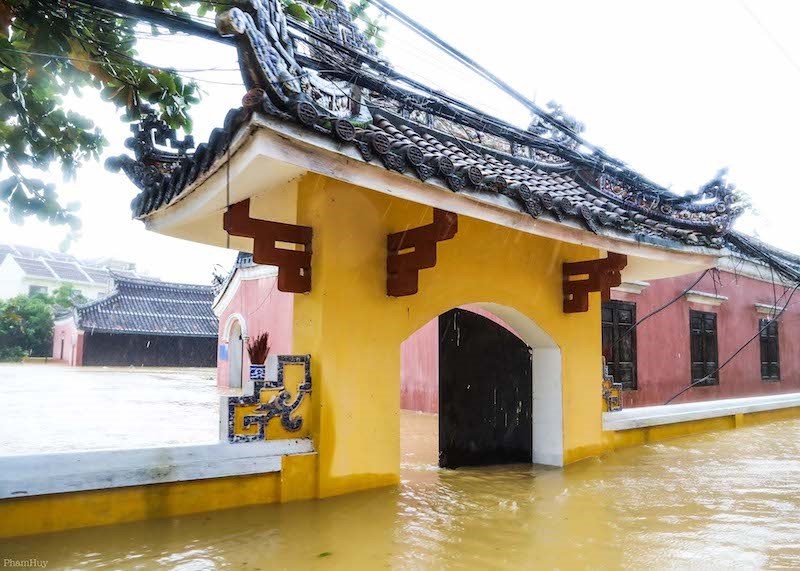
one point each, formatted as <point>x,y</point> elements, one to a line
<point>297,11</point>
<point>7,187</point>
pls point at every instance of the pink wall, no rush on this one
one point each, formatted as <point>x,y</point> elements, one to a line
<point>263,308</point>
<point>664,366</point>
<point>73,352</point>
<point>419,364</point>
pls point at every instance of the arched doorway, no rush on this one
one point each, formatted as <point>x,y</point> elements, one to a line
<point>485,392</point>
<point>494,377</point>
<point>235,350</point>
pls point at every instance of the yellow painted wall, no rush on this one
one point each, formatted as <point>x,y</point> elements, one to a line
<point>57,512</point>
<point>636,436</point>
<point>353,330</point>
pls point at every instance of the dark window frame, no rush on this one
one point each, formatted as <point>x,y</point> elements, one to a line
<point>769,341</point>
<point>704,347</point>
<point>37,290</point>
<point>611,347</point>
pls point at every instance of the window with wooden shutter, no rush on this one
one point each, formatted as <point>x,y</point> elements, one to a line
<point>619,346</point>
<point>770,360</point>
<point>704,354</point>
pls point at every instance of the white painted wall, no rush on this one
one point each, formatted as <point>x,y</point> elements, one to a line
<point>36,474</point>
<point>11,278</point>
<point>14,281</point>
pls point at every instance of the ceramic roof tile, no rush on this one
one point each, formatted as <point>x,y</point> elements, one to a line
<point>411,129</point>
<point>140,306</point>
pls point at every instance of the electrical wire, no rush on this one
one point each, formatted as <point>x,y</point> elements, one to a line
<point>739,350</point>
<point>659,310</point>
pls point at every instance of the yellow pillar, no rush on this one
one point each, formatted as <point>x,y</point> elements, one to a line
<point>353,330</point>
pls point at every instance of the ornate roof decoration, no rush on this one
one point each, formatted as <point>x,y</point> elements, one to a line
<point>328,77</point>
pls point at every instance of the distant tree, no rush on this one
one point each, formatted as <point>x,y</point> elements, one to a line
<point>26,322</point>
<point>26,327</point>
<point>49,49</point>
<point>67,297</point>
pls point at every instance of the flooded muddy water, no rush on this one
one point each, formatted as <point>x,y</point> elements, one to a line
<point>53,408</point>
<point>718,501</point>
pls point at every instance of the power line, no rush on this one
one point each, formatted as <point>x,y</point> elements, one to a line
<point>464,59</point>
<point>659,310</point>
<point>739,350</point>
<point>132,66</point>
<point>772,38</point>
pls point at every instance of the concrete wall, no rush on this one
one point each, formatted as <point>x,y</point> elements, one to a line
<point>147,350</point>
<point>353,330</point>
<point>72,343</point>
<point>253,300</point>
<point>663,340</point>
<point>663,345</point>
<point>11,279</point>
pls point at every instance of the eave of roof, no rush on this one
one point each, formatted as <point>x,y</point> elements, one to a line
<point>543,169</point>
<point>285,141</point>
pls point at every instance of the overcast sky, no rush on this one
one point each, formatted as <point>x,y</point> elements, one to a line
<point>677,90</point>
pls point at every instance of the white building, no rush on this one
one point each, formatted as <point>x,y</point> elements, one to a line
<point>25,271</point>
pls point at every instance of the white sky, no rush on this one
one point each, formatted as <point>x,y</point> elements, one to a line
<point>677,90</point>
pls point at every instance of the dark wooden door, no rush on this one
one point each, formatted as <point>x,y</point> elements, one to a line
<point>704,347</point>
<point>485,393</point>
<point>619,341</point>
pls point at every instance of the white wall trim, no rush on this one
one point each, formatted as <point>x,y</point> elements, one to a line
<point>739,266</point>
<point>225,297</point>
<point>693,296</point>
<point>674,413</point>
<point>767,309</point>
<point>37,474</point>
<point>635,288</point>
<point>233,318</point>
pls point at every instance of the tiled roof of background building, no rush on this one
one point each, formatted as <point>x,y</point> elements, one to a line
<point>329,79</point>
<point>141,306</point>
<point>33,267</point>
<point>38,263</point>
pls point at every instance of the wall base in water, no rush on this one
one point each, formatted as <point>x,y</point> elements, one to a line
<point>632,427</point>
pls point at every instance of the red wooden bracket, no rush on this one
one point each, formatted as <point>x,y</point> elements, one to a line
<point>294,266</point>
<point>601,275</point>
<point>402,268</point>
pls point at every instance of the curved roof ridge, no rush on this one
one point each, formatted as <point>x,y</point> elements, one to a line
<point>157,283</point>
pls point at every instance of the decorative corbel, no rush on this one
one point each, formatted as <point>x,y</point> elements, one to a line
<point>403,268</point>
<point>294,266</point>
<point>580,278</point>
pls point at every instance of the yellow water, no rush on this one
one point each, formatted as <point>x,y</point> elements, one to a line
<point>717,501</point>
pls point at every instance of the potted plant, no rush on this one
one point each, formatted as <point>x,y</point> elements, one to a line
<point>258,349</point>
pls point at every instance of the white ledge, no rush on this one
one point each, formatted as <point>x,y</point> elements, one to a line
<point>766,309</point>
<point>693,296</point>
<point>631,287</point>
<point>674,413</point>
<point>37,474</point>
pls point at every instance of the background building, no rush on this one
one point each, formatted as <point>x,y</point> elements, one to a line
<point>703,324</point>
<point>141,323</point>
<point>25,270</point>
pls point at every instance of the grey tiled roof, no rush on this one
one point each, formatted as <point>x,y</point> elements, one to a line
<point>331,81</point>
<point>143,306</point>
<point>39,263</point>
<point>33,267</point>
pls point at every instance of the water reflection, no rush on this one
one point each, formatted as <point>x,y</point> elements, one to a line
<point>724,500</point>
